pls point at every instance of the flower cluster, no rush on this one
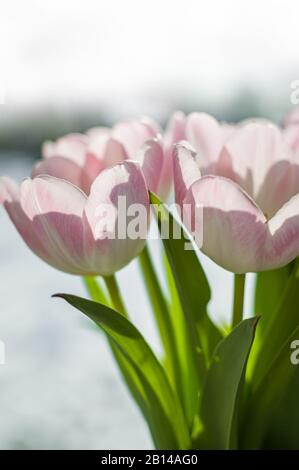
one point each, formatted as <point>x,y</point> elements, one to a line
<point>245,177</point>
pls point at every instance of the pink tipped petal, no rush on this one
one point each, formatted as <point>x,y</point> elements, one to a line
<point>9,190</point>
<point>186,170</point>
<point>51,194</point>
<point>34,240</point>
<point>150,158</point>
<point>291,136</point>
<point>283,238</point>
<point>153,127</point>
<point>280,184</point>
<point>175,132</point>
<point>59,167</point>
<point>55,208</point>
<point>92,168</point>
<point>206,136</point>
<point>72,147</point>
<point>254,148</point>
<point>115,153</point>
<point>108,245</point>
<point>234,228</point>
<point>132,135</point>
<point>102,132</point>
<point>292,117</point>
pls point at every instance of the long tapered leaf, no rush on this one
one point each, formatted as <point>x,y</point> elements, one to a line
<point>268,288</point>
<point>163,320</point>
<point>187,366</point>
<point>194,294</point>
<point>281,324</point>
<point>167,415</point>
<point>128,372</point>
<point>268,395</point>
<point>223,388</point>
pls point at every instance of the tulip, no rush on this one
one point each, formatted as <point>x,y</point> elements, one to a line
<point>291,130</point>
<point>204,133</point>
<point>63,226</point>
<point>79,158</point>
<point>247,184</point>
<point>291,117</point>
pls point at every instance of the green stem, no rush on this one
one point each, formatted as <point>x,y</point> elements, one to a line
<point>115,294</point>
<point>239,290</point>
<point>162,316</point>
<point>94,290</point>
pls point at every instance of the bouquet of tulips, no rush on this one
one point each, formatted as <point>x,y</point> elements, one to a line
<point>87,210</point>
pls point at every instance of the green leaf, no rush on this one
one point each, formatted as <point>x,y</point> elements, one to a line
<point>280,327</point>
<point>163,319</point>
<point>273,374</point>
<point>194,293</point>
<point>166,419</point>
<point>282,427</point>
<point>192,284</point>
<point>129,375</point>
<point>187,366</point>
<point>268,288</point>
<point>223,388</point>
<point>268,395</point>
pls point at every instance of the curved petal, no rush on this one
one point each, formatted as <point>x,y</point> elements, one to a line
<point>9,190</point>
<point>100,131</point>
<point>234,229</point>
<point>59,167</point>
<point>150,157</point>
<point>280,184</point>
<point>283,239</point>
<point>115,153</point>
<point>291,135</point>
<point>52,222</point>
<point>71,146</point>
<point>92,168</point>
<point>292,117</point>
<point>253,150</point>
<point>175,132</point>
<point>206,136</point>
<point>152,126</point>
<point>132,135</point>
<point>185,169</point>
<point>108,217</point>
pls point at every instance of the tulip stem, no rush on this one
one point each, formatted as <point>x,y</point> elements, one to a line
<point>162,317</point>
<point>115,294</point>
<point>239,290</point>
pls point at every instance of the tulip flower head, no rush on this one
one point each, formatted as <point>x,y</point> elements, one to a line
<point>246,179</point>
<point>80,158</point>
<point>65,227</point>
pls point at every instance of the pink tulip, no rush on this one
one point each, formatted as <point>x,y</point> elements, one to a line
<point>291,129</point>
<point>63,226</point>
<point>291,117</point>
<point>79,158</point>
<point>247,184</point>
<point>204,133</point>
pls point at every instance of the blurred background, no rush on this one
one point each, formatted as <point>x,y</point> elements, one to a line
<point>69,65</point>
